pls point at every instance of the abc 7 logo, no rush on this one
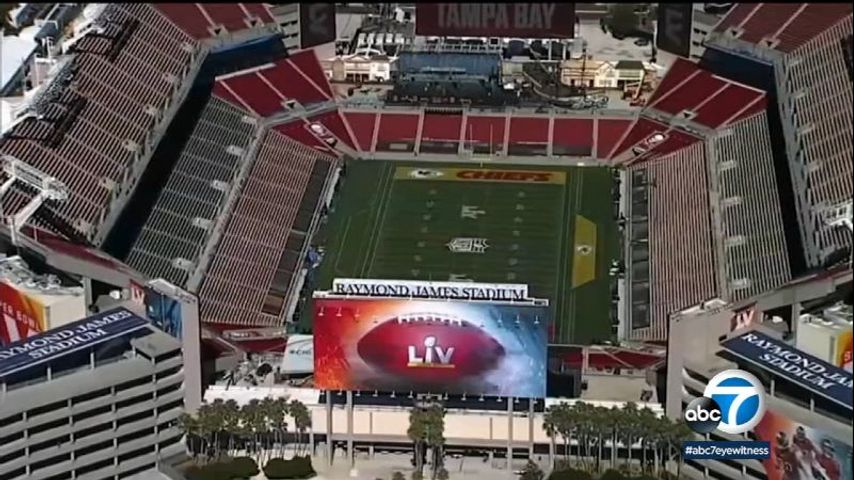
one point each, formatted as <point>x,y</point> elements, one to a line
<point>733,402</point>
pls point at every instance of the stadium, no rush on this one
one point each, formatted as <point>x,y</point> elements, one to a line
<point>201,155</point>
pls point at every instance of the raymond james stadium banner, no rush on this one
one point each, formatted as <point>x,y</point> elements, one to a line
<point>802,452</point>
<point>529,20</point>
<point>430,346</point>
<point>794,365</point>
<point>69,338</point>
<point>500,292</point>
<point>479,175</point>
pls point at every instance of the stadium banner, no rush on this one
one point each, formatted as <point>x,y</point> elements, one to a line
<point>176,312</point>
<point>69,338</point>
<point>743,319</point>
<point>794,365</point>
<point>164,312</point>
<point>527,20</point>
<point>418,289</point>
<point>299,355</point>
<point>23,315</point>
<point>845,350</point>
<point>430,346</point>
<point>800,448</point>
<point>317,24</point>
<point>496,175</point>
<point>673,29</point>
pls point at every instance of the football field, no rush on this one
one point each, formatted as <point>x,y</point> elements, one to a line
<point>549,228</point>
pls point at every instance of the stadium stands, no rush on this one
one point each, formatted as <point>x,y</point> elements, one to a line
<point>682,268</point>
<point>182,221</point>
<point>809,46</point>
<point>251,276</point>
<point>266,90</point>
<point>750,221</point>
<point>206,20</point>
<point>92,136</point>
<point>708,100</point>
<point>717,232</point>
<point>510,132</point>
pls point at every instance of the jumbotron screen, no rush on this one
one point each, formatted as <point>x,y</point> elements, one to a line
<point>430,346</point>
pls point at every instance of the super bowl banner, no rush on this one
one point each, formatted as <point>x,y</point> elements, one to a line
<point>801,452</point>
<point>845,351</point>
<point>430,346</point>
<point>22,315</point>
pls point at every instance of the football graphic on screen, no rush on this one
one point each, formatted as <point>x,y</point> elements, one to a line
<point>430,348</point>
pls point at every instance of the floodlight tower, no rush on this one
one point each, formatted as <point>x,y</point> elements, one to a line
<point>46,187</point>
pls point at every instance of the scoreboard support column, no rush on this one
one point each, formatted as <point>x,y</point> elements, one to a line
<point>329,428</point>
<point>510,433</point>
<point>351,457</point>
<point>530,429</point>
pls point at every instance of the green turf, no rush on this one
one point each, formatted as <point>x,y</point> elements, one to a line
<point>382,227</point>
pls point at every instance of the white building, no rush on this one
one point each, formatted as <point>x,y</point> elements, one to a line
<point>700,346</point>
<point>364,66</point>
<point>102,404</point>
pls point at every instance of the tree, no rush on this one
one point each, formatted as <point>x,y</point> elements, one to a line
<point>417,433</point>
<point>191,428</point>
<point>442,474</point>
<point>622,19</point>
<point>427,430</point>
<point>531,471</point>
<point>302,419</point>
<point>676,434</point>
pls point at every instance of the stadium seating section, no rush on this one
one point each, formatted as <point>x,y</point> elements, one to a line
<point>235,214</point>
<point>205,20</point>
<point>195,195</point>
<point>99,156</point>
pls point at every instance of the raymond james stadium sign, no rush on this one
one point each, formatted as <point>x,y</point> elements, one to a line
<point>68,338</point>
<point>794,365</point>
<point>439,290</point>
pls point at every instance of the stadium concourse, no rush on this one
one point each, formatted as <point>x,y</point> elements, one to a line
<point>236,230</point>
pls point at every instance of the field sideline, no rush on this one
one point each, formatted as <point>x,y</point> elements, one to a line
<point>548,227</point>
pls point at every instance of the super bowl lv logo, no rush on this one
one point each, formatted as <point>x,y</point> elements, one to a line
<point>435,356</point>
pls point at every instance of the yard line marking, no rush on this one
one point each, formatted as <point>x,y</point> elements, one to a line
<point>573,326</point>
<point>382,207</point>
<point>388,197</point>
<point>560,291</point>
<point>341,245</point>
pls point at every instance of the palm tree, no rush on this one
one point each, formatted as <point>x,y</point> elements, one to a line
<point>550,427</point>
<point>630,430</point>
<point>613,419</point>
<point>677,433</point>
<point>646,425</point>
<point>302,419</point>
<point>231,424</point>
<point>436,436</point>
<point>417,433</point>
<point>191,428</point>
<point>272,419</point>
<point>601,428</point>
